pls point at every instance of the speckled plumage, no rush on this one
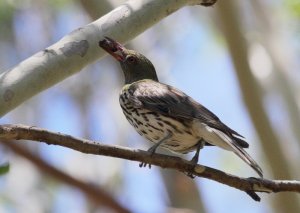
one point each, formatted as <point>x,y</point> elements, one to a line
<point>165,115</point>
<point>153,125</point>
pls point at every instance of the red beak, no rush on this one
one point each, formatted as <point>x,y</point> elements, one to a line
<point>114,48</point>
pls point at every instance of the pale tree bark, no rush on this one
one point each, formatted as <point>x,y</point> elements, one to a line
<point>229,19</point>
<point>80,48</point>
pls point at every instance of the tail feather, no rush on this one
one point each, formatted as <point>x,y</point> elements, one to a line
<point>248,159</point>
<point>241,141</point>
<point>238,150</point>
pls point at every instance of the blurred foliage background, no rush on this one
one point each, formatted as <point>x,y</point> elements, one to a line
<point>239,58</point>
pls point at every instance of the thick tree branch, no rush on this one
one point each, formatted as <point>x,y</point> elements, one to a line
<point>248,185</point>
<point>94,193</point>
<point>80,48</point>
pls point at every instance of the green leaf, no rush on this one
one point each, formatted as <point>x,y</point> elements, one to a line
<point>4,168</point>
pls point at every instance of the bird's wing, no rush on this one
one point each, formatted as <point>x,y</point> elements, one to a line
<point>171,102</point>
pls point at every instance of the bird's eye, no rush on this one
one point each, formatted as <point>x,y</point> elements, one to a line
<point>131,59</point>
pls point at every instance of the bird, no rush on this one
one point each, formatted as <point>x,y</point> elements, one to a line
<point>166,116</point>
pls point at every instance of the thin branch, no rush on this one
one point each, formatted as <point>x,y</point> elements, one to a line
<point>80,48</point>
<point>94,193</point>
<point>248,185</point>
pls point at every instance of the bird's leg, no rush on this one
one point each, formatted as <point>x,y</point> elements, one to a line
<point>200,145</point>
<point>154,147</point>
<point>194,160</point>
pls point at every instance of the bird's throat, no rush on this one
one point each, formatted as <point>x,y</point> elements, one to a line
<point>131,77</point>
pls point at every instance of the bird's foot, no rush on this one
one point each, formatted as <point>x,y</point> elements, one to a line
<point>143,164</point>
<point>194,160</point>
<point>151,151</point>
<point>192,169</point>
<point>153,148</point>
<point>190,174</point>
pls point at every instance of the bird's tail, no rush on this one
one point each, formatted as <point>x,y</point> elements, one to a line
<point>247,158</point>
<point>239,151</point>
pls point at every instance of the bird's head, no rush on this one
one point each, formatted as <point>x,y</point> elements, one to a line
<point>134,65</point>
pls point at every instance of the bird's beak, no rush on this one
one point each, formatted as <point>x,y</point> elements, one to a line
<point>114,48</point>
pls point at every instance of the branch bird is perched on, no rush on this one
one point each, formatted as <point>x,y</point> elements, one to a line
<point>166,116</point>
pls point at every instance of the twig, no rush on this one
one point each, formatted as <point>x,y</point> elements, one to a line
<point>94,193</point>
<point>248,185</point>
